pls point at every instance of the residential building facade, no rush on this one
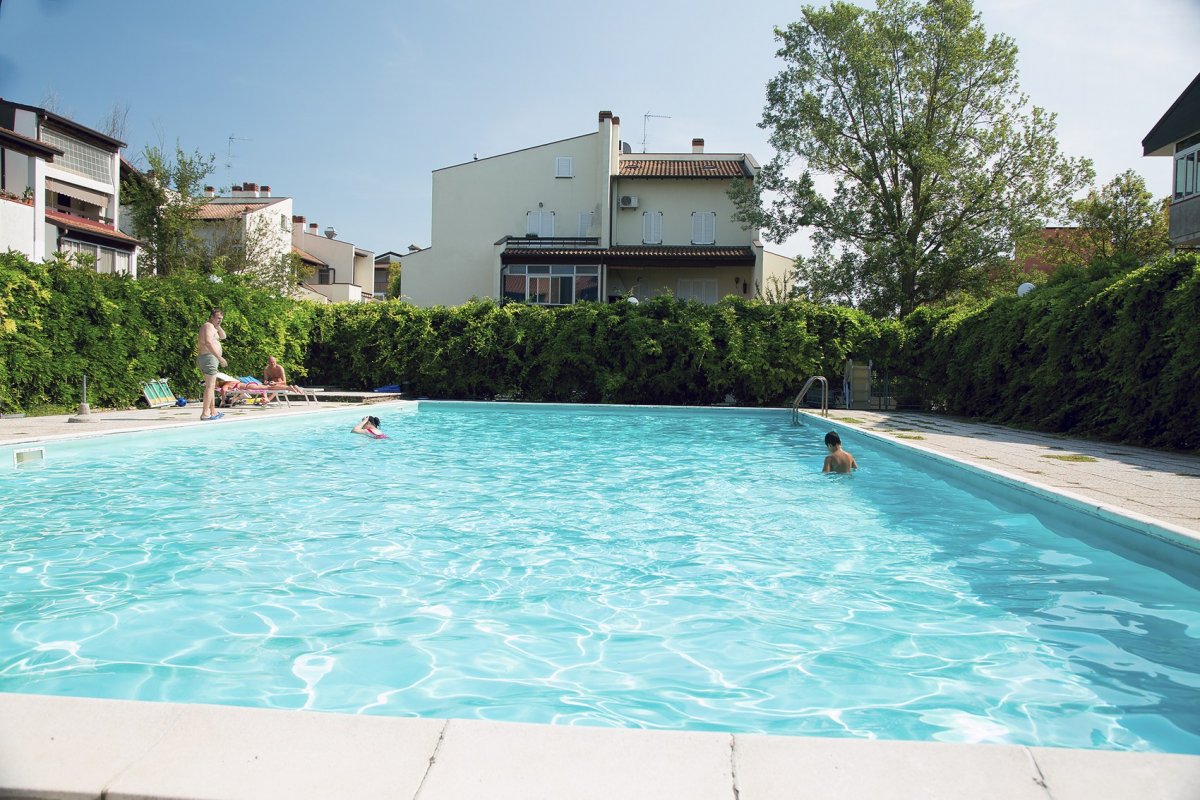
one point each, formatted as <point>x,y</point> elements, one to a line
<point>1177,134</point>
<point>585,219</point>
<point>67,177</point>
<point>342,272</point>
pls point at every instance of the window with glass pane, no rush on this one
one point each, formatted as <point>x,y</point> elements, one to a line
<point>539,289</point>
<point>587,287</point>
<point>79,156</point>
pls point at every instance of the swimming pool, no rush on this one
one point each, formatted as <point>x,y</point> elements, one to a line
<point>659,568</point>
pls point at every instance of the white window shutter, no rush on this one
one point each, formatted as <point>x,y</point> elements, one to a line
<point>697,227</point>
<point>585,223</point>
<point>547,223</point>
<point>651,227</point>
<point>533,222</point>
<point>710,290</point>
<point>710,222</point>
<point>685,289</point>
<point>563,167</point>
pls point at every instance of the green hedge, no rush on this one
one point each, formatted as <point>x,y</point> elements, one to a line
<point>59,322</point>
<point>1107,351</point>
<point>660,351</point>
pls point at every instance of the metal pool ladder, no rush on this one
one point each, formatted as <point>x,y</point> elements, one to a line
<point>800,397</point>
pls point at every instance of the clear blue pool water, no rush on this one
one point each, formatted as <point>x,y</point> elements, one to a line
<point>674,569</point>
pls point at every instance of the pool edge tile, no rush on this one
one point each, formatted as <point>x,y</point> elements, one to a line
<point>74,747</point>
<point>1093,774</point>
<point>517,761</point>
<point>223,751</point>
<point>779,768</point>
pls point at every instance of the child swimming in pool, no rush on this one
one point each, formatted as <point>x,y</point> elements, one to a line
<point>369,426</point>
<point>838,459</point>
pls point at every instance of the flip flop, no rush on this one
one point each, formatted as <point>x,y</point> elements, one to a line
<point>218,415</point>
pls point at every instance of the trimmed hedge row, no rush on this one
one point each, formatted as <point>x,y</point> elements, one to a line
<point>59,322</point>
<point>1107,351</point>
<point>660,351</point>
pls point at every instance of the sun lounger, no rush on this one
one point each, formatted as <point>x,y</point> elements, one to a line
<point>158,394</point>
<point>266,392</point>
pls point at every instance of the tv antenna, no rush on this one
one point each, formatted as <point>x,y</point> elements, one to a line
<point>229,151</point>
<point>645,118</point>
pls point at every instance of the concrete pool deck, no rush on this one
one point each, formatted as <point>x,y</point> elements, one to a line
<point>61,747</point>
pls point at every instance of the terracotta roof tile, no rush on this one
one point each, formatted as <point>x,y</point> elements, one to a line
<point>682,168</point>
<point>228,210</point>
<point>308,258</point>
<point>88,226</point>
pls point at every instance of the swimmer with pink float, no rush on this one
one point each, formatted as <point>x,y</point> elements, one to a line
<point>369,426</point>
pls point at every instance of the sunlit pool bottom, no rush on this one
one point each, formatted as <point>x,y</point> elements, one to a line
<point>657,568</point>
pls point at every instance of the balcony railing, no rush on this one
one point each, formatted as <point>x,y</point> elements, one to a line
<point>551,241</point>
<point>1185,222</point>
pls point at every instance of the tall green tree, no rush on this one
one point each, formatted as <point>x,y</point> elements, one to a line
<point>936,159</point>
<point>1123,220</point>
<point>164,203</point>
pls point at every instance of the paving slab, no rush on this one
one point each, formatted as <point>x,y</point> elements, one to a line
<point>512,761</point>
<point>783,768</point>
<point>57,747</point>
<point>214,752</point>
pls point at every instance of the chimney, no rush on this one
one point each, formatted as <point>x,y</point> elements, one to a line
<point>605,115</point>
<point>210,191</point>
<point>697,145</point>
<point>265,191</point>
<point>330,232</point>
<point>312,228</point>
<point>298,220</point>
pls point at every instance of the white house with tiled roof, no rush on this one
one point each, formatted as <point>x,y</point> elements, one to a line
<point>60,189</point>
<point>583,219</point>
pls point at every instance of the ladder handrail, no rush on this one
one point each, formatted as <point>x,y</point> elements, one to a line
<point>800,397</point>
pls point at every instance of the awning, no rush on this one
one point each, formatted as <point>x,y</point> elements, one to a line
<point>634,256</point>
<point>86,195</point>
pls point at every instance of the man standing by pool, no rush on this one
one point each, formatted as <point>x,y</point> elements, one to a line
<point>208,358</point>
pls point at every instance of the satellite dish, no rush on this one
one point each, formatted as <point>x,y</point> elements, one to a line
<point>625,148</point>
<point>1024,289</point>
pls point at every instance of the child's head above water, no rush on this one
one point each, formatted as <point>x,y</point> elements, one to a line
<point>832,440</point>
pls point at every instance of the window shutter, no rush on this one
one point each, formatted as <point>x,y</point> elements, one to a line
<point>585,222</point>
<point>652,227</point>
<point>547,223</point>
<point>710,231</point>
<point>563,167</point>
<point>710,290</point>
<point>533,222</point>
<point>685,289</point>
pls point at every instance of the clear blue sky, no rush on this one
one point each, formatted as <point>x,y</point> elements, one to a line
<point>348,107</point>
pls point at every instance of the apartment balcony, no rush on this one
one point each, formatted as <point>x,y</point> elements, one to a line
<point>1185,222</point>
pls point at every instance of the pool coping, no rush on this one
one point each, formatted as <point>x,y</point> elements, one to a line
<point>124,749</point>
<point>127,750</point>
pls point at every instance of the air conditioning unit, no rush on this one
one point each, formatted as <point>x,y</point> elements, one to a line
<point>627,201</point>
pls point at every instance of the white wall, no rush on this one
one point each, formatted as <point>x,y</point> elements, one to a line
<point>677,198</point>
<point>479,202</point>
<point>17,227</point>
